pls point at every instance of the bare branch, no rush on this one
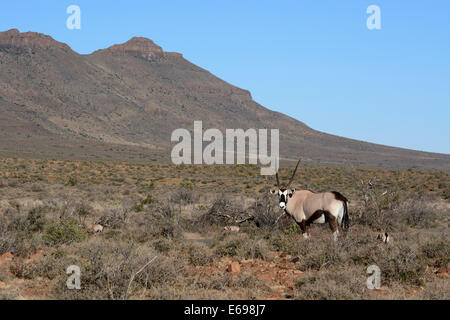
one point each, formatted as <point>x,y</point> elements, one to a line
<point>135,274</point>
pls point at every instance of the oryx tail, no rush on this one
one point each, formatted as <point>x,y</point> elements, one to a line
<point>345,217</point>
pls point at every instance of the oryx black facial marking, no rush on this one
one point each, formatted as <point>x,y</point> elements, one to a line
<point>282,193</point>
<point>283,197</point>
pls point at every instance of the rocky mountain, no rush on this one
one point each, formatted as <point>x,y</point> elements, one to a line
<point>123,102</point>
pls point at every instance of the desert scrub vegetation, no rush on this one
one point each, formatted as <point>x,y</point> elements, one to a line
<point>178,214</point>
<point>241,246</point>
<point>198,255</point>
<point>437,289</point>
<point>64,231</point>
<point>436,252</point>
<point>117,270</point>
<point>388,211</point>
<point>161,221</point>
<point>343,284</point>
<point>184,196</point>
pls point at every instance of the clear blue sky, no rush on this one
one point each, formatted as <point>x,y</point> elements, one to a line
<point>313,60</point>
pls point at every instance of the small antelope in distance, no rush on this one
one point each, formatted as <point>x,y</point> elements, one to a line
<point>307,207</point>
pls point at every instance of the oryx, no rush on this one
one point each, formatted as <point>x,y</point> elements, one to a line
<point>384,237</point>
<point>307,207</point>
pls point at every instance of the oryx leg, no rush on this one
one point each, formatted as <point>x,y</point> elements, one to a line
<point>333,224</point>
<point>304,228</point>
<point>315,216</point>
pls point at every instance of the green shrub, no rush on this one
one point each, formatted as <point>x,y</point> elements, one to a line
<point>148,200</point>
<point>72,181</point>
<point>187,185</point>
<point>64,232</point>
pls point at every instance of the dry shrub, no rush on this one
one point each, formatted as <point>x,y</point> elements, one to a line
<point>438,289</point>
<point>184,196</point>
<point>266,216</point>
<point>3,275</point>
<point>358,247</point>
<point>217,286</point>
<point>19,231</point>
<point>241,246</point>
<point>163,245</point>
<point>70,208</point>
<point>21,244</point>
<point>82,211</point>
<point>113,218</point>
<point>323,254</point>
<point>383,220</point>
<point>400,263</point>
<point>165,271</point>
<point>287,242</point>
<point>228,244</point>
<point>50,265</point>
<point>223,281</point>
<point>254,249</point>
<point>248,281</point>
<point>163,220</point>
<point>10,294</point>
<point>223,211</point>
<point>28,222</point>
<point>417,213</point>
<point>13,183</point>
<point>340,284</point>
<point>36,187</point>
<point>198,255</point>
<point>167,219</point>
<point>110,271</point>
<point>436,252</point>
<point>7,238</point>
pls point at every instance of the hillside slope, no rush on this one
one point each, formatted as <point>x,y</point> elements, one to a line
<point>123,102</point>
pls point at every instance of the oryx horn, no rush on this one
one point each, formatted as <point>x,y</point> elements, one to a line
<point>293,174</point>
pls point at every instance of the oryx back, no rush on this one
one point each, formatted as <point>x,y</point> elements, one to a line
<point>314,207</point>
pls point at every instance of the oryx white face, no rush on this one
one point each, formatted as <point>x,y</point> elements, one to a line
<point>283,196</point>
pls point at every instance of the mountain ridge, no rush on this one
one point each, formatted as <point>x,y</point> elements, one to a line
<point>135,94</point>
